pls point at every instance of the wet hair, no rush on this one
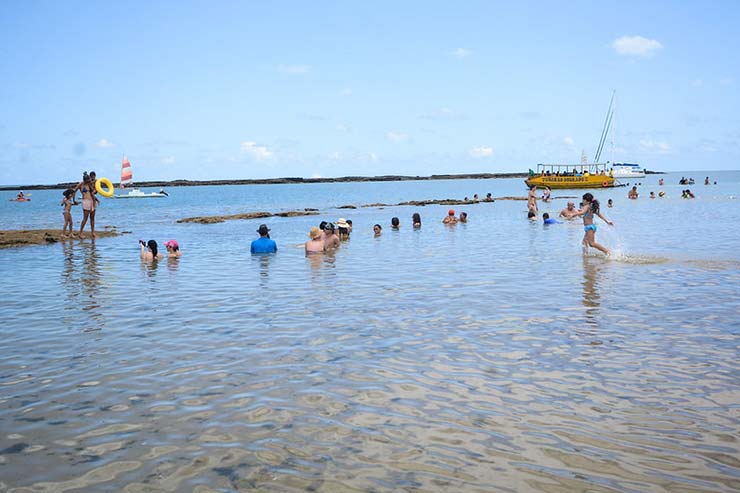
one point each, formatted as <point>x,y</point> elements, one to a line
<point>92,173</point>
<point>416,218</point>
<point>322,225</point>
<point>68,192</point>
<point>545,216</point>
<point>395,222</point>
<point>531,214</point>
<point>592,201</point>
<point>153,247</point>
<point>378,226</point>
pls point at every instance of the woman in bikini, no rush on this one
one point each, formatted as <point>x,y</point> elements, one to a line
<point>87,189</point>
<point>591,208</point>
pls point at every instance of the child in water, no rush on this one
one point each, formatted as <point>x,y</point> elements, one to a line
<point>591,208</point>
<point>67,202</point>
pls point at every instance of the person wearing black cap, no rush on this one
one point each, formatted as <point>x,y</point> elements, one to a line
<point>264,244</point>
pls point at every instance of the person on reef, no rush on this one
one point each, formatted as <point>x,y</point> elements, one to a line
<point>263,244</point>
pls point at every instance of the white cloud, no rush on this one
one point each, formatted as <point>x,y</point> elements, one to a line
<point>293,69</point>
<point>316,175</point>
<point>397,136</point>
<point>481,151</point>
<point>725,81</point>
<point>697,83</point>
<point>105,143</point>
<point>372,156</point>
<point>653,146</point>
<point>257,152</point>
<point>168,160</point>
<point>443,114</point>
<point>636,46</point>
<point>568,141</point>
<point>462,52</point>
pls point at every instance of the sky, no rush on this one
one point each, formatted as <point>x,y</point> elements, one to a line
<point>251,89</point>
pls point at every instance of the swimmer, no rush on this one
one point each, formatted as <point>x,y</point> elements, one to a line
<point>173,249</point>
<point>591,209</point>
<point>395,223</point>
<point>652,195</point>
<point>149,251</point>
<point>316,243</point>
<point>531,216</point>
<point>609,203</point>
<point>450,218</point>
<point>546,219</point>
<point>331,240</point>
<point>463,217</point>
<point>377,230</point>
<point>416,220</point>
<point>632,194</point>
<point>570,211</point>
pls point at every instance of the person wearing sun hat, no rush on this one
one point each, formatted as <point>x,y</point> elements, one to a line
<point>343,228</point>
<point>316,243</point>
<point>450,218</point>
<point>263,244</point>
<point>173,249</point>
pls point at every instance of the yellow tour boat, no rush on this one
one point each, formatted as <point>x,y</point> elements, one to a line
<point>571,176</point>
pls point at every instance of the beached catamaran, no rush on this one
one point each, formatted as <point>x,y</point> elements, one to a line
<point>127,178</point>
<point>583,175</point>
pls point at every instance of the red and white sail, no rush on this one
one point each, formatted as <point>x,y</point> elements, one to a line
<point>127,177</point>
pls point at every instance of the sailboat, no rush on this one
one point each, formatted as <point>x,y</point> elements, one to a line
<point>584,175</point>
<point>127,178</point>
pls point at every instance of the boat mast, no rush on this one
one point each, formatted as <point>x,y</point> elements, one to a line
<point>605,130</point>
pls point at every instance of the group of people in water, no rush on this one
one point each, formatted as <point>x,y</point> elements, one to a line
<point>590,208</point>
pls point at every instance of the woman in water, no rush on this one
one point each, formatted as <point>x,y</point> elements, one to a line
<point>591,208</point>
<point>416,220</point>
<point>87,189</point>
<point>149,251</point>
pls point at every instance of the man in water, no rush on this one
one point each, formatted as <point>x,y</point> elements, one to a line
<point>570,211</point>
<point>546,219</point>
<point>633,193</point>
<point>264,244</point>
<point>331,240</point>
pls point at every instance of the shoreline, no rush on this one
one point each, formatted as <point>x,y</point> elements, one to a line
<point>290,180</point>
<point>282,181</point>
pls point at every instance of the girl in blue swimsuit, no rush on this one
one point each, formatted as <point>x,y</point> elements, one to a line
<point>591,208</point>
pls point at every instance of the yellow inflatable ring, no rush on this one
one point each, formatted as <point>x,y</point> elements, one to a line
<point>108,190</point>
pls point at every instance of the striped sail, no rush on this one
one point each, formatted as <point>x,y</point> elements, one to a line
<point>127,176</point>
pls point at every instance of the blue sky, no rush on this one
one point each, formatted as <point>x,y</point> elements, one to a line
<point>219,90</point>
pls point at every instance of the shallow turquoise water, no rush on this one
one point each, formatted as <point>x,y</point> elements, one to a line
<point>491,356</point>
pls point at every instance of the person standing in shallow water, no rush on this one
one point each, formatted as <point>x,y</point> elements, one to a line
<point>589,210</point>
<point>87,189</point>
<point>263,244</point>
<point>416,220</point>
